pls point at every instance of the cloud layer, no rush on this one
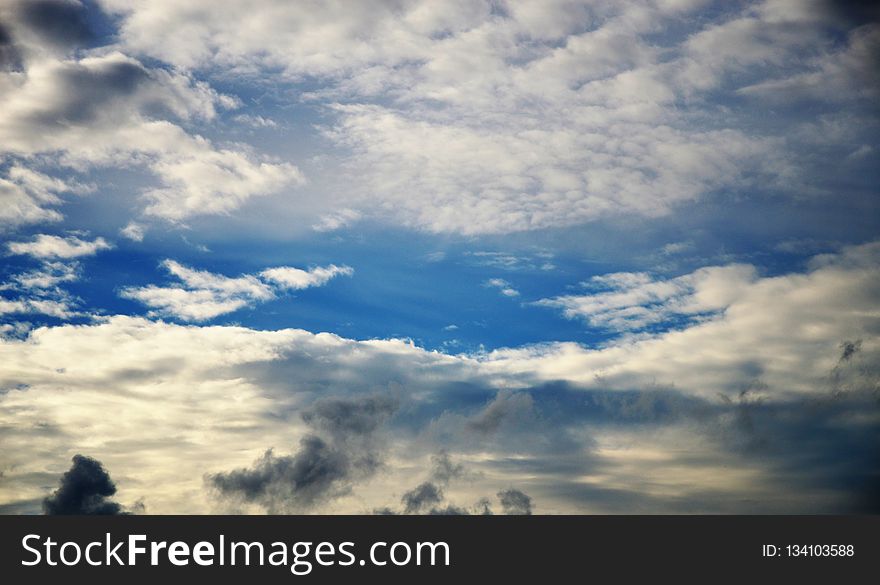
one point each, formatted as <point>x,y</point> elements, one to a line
<point>710,417</point>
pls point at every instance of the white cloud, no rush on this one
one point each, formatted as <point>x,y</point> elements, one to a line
<point>783,330</point>
<point>503,287</point>
<point>48,276</point>
<point>27,197</point>
<point>205,295</point>
<point>46,246</point>
<point>637,300</point>
<point>295,278</point>
<point>336,220</point>
<point>255,121</point>
<point>528,115</point>
<point>133,231</point>
<point>108,109</point>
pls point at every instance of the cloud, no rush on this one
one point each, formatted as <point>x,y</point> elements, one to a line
<point>423,496</point>
<point>465,118</point>
<point>48,276</point>
<point>205,295</point>
<point>635,425</point>
<point>40,290</point>
<point>60,309</point>
<point>504,407</point>
<point>28,197</point>
<point>133,231</point>
<point>515,502</point>
<point>323,468</point>
<point>768,324</point>
<point>460,117</point>
<point>503,287</point>
<point>428,497</point>
<point>627,301</point>
<point>103,108</point>
<point>507,261</point>
<point>58,22</point>
<point>84,490</point>
<point>286,277</point>
<point>46,246</point>
<point>337,220</point>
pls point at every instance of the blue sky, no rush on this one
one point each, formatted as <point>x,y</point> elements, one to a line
<point>602,254</point>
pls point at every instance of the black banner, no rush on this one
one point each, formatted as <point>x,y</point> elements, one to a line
<point>278,549</point>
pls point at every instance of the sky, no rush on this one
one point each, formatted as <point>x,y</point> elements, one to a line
<point>464,257</point>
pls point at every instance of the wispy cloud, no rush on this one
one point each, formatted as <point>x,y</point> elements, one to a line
<point>503,287</point>
<point>631,301</point>
<point>205,295</point>
<point>46,246</point>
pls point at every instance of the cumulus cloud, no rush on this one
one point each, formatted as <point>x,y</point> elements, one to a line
<point>46,246</point>
<point>84,490</point>
<point>205,295</point>
<point>105,108</point>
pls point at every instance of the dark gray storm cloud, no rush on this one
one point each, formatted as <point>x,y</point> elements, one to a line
<point>422,497</point>
<point>84,490</point>
<point>10,58</point>
<point>515,502</point>
<point>313,474</point>
<point>342,449</point>
<point>62,23</point>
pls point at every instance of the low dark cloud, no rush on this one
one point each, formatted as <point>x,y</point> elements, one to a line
<point>62,23</point>
<point>10,58</point>
<point>312,474</point>
<point>84,490</point>
<point>429,497</point>
<point>424,496</point>
<point>515,502</point>
<point>341,449</point>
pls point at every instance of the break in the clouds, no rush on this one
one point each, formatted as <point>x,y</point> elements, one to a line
<point>770,406</point>
<point>416,257</point>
